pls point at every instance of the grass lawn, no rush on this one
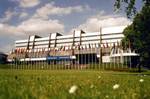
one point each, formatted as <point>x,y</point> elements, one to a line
<point>89,84</point>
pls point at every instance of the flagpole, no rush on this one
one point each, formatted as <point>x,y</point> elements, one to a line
<point>104,63</point>
<point>81,54</point>
<point>85,56</point>
<point>100,58</point>
<point>90,56</point>
<point>56,59</point>
<point>88,61</point>
<point>129,54</point>
<point>95,63</point>
<point>118,55</point>
<point>110,55</point>
<point>99,55</point>
<point>18,59</point>
<point>107,55</point>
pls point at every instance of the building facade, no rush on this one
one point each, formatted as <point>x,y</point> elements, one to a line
<point>79,47</point>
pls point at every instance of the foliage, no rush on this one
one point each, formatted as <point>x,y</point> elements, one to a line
<point>130,8</point>
<point>55,84</point>
<point>138,33</point>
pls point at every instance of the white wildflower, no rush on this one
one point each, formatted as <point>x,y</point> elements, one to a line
<point>73,89</point>
<point>92,86</point>
<point>116,86</point>
<point>107,96</point>
<point>145,75</point>
<point>99,77</point>
<point>141,80</point>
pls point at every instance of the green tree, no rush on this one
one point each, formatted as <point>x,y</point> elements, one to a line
<point>130,8</point>
<point>138,33</point>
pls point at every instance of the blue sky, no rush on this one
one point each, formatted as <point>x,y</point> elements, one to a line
<point>21,18</point>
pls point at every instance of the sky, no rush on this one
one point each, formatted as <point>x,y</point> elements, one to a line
<point>21,18</point>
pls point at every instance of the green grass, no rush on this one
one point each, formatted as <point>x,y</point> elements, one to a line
<point>55,84</point>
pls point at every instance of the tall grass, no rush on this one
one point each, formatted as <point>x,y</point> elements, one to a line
<point>55,84</point>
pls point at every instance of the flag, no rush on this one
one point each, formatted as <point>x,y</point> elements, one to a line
<point>43,50</point>
<point>27,50</point>
<point>114,45</point>
<point>15,51</point>
<point>60,48</point>
<point>38,51</point>
<point>85,47</point>
<point>103,45</point>
<point>46,50</point>
<point>118,45</point>
<point>97,45</point>
<point>19,50</point>
<point>107,44</point>
<point>63,48</point>
<point>67,48</point>
<point>81,47</point>
<point>77,47</point>
<point>49,49</point>
<point>89,46</point>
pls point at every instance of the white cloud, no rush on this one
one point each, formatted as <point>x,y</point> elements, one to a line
<point>32,26</point>
<point>7,16</point>
<point>23,15</point>
<point>93,23</point>
<point>28,3</point>
<point>28,27</point>
<point>51,9</point>
<point>40,26</point>
<point>6,29</point>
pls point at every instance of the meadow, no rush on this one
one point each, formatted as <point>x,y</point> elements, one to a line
<point>88,84</point>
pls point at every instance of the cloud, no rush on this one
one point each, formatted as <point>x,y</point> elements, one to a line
<point>28,3</point>
<point>28,27</point>
<point>40,26</point>
<point>51,9</point>
<point>6,29</point>
<point>8,15</point>
<point>23,15</point>
<point>93,23</point>
<point>32,26</point>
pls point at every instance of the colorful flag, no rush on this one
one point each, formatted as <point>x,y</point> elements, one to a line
<point>89,46</point>
<point>107,44</point>
<point>118,45</point>
<point>114,45</point>
<point>81,47</point>
<point>97,45</point>
<point>103,45</point>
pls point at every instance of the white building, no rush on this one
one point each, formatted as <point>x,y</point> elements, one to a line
<point>101,46</point>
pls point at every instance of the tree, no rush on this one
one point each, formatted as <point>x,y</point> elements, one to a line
<point>130,8</point>
<point>138,33</point>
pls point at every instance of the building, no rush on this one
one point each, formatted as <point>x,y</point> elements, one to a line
<point>3,58</point>
<point>103,46</point>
